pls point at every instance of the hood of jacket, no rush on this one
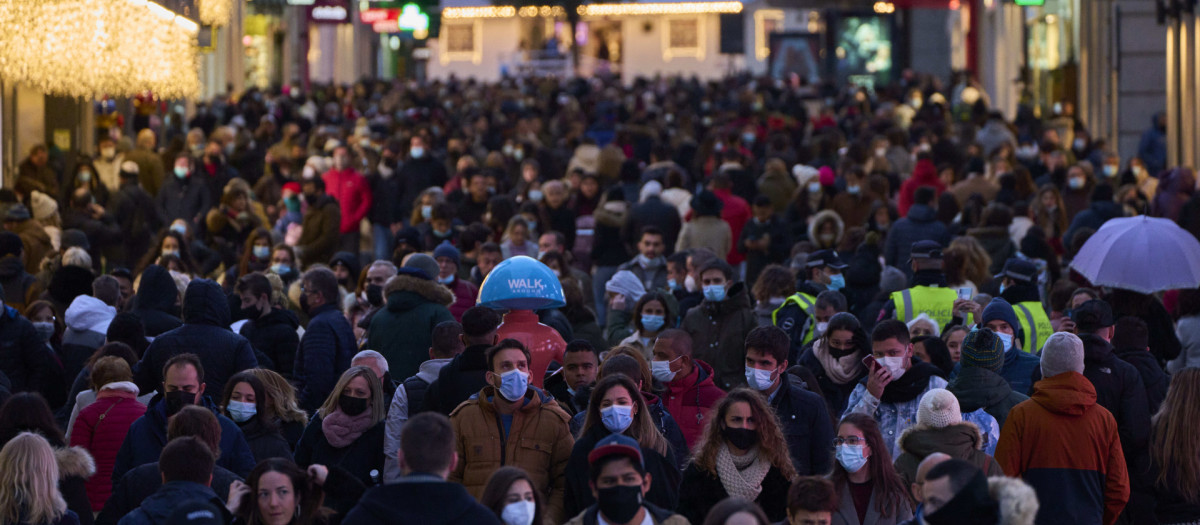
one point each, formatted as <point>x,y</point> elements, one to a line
<point>205,303</point>
<point>405,292</point>
<point>958,439</point>
<point>156,289</point>
<point>978,388</point>
<point>70,282</point>
<point>1095,349</point>
<point>159,506</point>
<point>89,314</point>
<point>279,316</point>
<point>11,266</point>
<point>736,299</point>
<point>1068,393</point>
<point>1018,501</point>
<point>74,462</point>
<point>921,213</point>
<point>826,216</point>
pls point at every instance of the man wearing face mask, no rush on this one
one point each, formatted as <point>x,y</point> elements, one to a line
<point>802,415</point>
<point>510,422</point>
<point>181,196</point>
<point>895,383</point>
<point>328,344</point>
<point>1018,286</point>
<point>648,265</point>
<point>419,172</point>
<point>720,324</point>
<point>353,194</point>
<point>183,385</point>
<point>465,293</point>
<point>619,483</point>
<point>690,391</point>
<point>378,275</point>
<point>270,329</point>
<point>320,224</point>
<point>1019,366</point>
<point>797,316</point>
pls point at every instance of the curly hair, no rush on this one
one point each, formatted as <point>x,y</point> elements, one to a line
<point>771,442</point>
<point>774,280</point>
<point>965,259</point>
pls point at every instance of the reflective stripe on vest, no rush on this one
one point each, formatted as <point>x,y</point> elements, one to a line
<point>938,303</point>
<point>807,303</point>
<point>1034,323</point>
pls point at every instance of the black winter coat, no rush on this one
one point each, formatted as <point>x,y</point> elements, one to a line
<point>386,204</point>
<point>186,199</point>
<point>363,458</point>
<point>275,335</point>
<point>206,333</point>
<point>141,482</point>
<point>424,499</point>
<point>1154,378</point>
<point>806,425</point>
<point>22,354</point>
<point>836,396</point>
<point>138,219</point>
<point>324,353</point>
<point>664,481</point>
<point>978,388</point>
<point>701,490</point>
<point>417,175</point>
<point>461,378</point>
<point>16,281</point>
<point>155,301</point>
<point>265,441</point>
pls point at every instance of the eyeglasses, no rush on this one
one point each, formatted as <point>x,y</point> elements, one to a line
<point>852,441</point>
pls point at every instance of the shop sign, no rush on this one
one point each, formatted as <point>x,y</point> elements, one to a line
<point>329,12</point>
<point>412,19</point>
<point>374,15</point>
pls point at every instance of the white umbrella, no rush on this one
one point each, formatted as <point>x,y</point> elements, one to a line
<point>1143,254</point>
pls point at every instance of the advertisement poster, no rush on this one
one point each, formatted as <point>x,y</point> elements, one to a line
<point>862,50</point>
<point>798,53</point>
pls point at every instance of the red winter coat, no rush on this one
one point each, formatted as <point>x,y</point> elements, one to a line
<point>736,212</point>
<point>465,294</point>
<point>100,428</point>
<point>688,400</point>
<point>924,174</point>
<point>353,193</point>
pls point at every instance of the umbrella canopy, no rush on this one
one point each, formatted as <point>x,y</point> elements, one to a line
<point>1143,254</point>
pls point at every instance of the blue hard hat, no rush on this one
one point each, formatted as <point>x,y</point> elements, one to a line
<point>521,283</point>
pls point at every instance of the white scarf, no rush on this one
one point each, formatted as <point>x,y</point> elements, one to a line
<point>840,370</point>
<point>739,478</point>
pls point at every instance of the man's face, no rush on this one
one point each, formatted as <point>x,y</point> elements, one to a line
<point>547,243</point>
<point>250,301</point>
<point>581,368</point>
<point>651,246</point>
<point>126,288</point>
<point>937,493</point>
<point>764,361</point>
<point>664,350</point>
<point>823,314</point>
<point>804,517</point>
<point>676,272</point>
<point>183,378</point>
<point>378,275</point>
<point>1000,327</point>
<point>371,363</point>
<point>892,348</point>
<point>487,261</point>
<point>620,473</point>
<point>714,277</point>
<point>446,267</point>
<point>478,186</point>
<point>342,273</point>
<point>504,361</point>
<point>41,158</point>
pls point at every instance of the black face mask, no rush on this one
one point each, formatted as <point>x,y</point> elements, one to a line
<point>375,295</point>
<point>839,353</point>
<point>303,302</point>
<point>620,503</point>
<point>351,406</point>
<point>310,199</point>
<point>177,400</point>
<point>742,438</point>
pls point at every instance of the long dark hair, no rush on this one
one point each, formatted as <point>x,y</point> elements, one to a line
<point>890,488</point>
<point>642,428</point>
<point>185,252</point>
<point>310,494</point>
<point>496,490</point>
<point>724,510</point>
<point>29,412</point>
<point>261,401</point>
<point>248,252</point>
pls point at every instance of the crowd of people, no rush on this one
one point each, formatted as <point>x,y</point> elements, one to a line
<point>782,303</point>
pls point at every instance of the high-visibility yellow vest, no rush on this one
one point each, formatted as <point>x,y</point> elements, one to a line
<point>807,303</point>
<point>938,303</point>
<point>1035,323</point>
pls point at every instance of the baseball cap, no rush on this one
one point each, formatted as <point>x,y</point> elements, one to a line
<point>926,250</point>
<point>1092,315</point>
<point>616,445</point>
<point>828,258</point>
<point>1019,269</point>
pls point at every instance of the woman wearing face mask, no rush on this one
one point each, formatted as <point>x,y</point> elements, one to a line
<point>835,359</point>
<point>1050,215</point>
<point>170,242</point>
<point>742,453</point>
<point>510,494</point>
<point>256,255</point>
<point>283,264</point>
<point>347,432</point>
<point>423,208</point>
<point>85,177</point>
<point>101,427</point>
<point>244,398</point>
<point>616,407</point>
<point>49,329</point>
<point>652,314</point>
<point>871,491</point>
<point>825,230</point>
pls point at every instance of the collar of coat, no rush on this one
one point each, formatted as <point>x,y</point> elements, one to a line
<point>432,291</point>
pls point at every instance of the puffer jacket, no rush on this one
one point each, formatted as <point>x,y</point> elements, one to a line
<point>719,333</point>
<point>324,353</point>
<point>155,301</point>
<point>158,508</point>
<point>275,335</point>
<point>978,388</point>
<point>920,224</point>
<point>402,330</point>
<point>960,440</point>
<point>465,294</point>
<point>1066,446</point>
<point>319,231</point>
<point>87,323</point>
<point>148,435</point>
<point>100,429</point>
<point>539,442</point>
<point>689,399</point>
<point>205,332</point>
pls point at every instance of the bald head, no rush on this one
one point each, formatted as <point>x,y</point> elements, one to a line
<point>923,469</point>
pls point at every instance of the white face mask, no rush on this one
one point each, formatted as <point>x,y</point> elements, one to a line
<point>821,327</point>
<point>689,284</point>
<point>1007,339</point>
<point>518,513</point>
<point>895,365</point>
<point>759,379</point>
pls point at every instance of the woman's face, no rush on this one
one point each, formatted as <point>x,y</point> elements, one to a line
<point>852,435</point>
<point>520,490</point>
<point>954,343</point>
<point>739,415</point>
<point>358,387</point>
<point>43,315</point>
<point>242,392</point>
<point>617,395</point>
<point>653,308</point>
<point>428,199</point>
<point>881,217</point>
<point>276,498</point>
<point>589,187</point>
<point>919,351</point>
<point>169,244</point>
<point>921,328</point>
<point>841,340</point>
<point>1048,200</point>
<point>518,234</point>
<point>281,257</point>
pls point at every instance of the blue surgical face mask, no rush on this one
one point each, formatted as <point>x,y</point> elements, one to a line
<point>536,195</point>
<point>181,172</point>
<point>837,282</point>
<point>417,152</point>
<point>759,379</point>
<point>653,323</point>
<point>426,212</point>
<point>241,412</point>
<point>513,385</point>
<point>447,279</point>
<point>1007,339</point>
<point>672,285</point>
<point>851,457</point>
<point>749,137</point>
<point>179,228</point>
<point>617,418</point>
<point>714,293</point>
<point>262,252</point>
<point>1002,288</point>
<point>661,370</point>
<point>280,269</point>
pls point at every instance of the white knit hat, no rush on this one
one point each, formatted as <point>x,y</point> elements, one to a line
<point>1063,352</point>
<point>939,409</point>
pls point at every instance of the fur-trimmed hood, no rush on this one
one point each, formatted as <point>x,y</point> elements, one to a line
<point>922,440</point>
<point>814,228</point>
<point>74,461</point>
<point>1018,501</point>
<point>403,292</point>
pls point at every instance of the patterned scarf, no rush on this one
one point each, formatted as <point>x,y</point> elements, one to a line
<point>742,476</point>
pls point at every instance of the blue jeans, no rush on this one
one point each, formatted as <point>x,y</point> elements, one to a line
<point>381,237</point>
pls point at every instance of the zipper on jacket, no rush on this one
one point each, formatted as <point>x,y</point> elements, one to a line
<point>503,438</point>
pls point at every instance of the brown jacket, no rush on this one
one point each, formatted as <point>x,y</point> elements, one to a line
<point>539,442</point>
<point>37,243</point>
<point>319,231</point>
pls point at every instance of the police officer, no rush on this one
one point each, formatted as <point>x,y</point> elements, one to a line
<point>1018,286</point>
<point>927,292</point>
<point>797,316</point>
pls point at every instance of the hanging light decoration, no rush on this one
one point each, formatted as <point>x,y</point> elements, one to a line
<point>215,12</point>
<point>83,48</point>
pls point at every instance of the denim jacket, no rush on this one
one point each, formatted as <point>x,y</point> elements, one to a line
<point>893,418</point>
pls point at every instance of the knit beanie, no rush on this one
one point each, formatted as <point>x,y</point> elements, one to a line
<point>424,263</point>
<point>445,249</point>
<point>1062,353</point>
<point>938,409</point>
<point>999,309</point>
<point>982,349</point>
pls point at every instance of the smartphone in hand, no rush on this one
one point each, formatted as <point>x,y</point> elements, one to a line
<point>964,293</point>
<point>870,363</point>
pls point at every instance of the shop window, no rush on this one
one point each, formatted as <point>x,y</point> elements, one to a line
<point>684,37</point>
<point>462,42</point>
<point>766,22</point>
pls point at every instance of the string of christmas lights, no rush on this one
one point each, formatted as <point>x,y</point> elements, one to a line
<point>215,12</point>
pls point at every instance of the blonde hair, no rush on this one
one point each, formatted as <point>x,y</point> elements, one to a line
<point>376,408</point>
<point>966,257</point>
<point>1174,443</point>
<point>281,396</point>
<point>30,488</point>
<point>771,443</point>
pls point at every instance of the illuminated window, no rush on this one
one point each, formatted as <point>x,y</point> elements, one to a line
<point>684,37</point>
<point>766,21</point>
<point>461,42</point>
